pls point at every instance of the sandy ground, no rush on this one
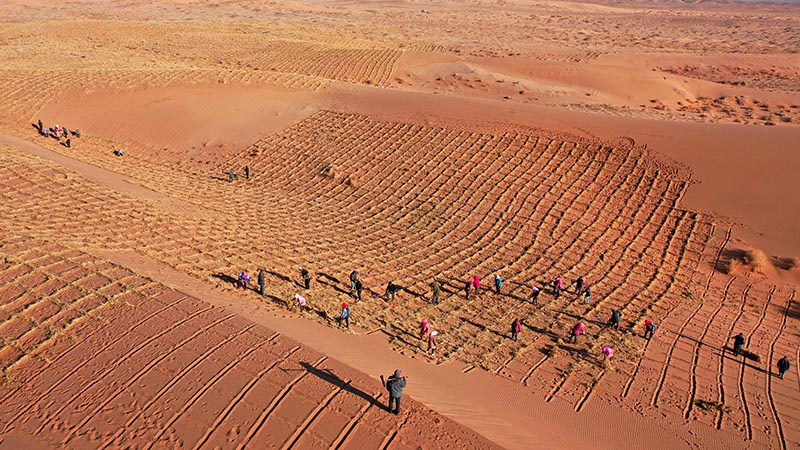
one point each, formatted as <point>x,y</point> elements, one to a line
<point>645,146</point>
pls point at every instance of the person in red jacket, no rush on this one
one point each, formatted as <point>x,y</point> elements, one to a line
<point>476,283</point>
<point>577,330</point>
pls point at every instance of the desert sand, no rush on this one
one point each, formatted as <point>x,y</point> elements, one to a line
<point>649,147</point>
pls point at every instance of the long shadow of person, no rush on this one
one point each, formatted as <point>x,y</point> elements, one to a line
<point>335,380</point>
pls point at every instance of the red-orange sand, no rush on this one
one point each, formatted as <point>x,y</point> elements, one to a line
<point>648,147</point>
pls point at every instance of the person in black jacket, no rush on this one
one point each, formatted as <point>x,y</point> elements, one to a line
<point>616,318</point>
<point>395,385</point>
<point>353,277</point>
<point>306,277</point>
<point>359,289</point>
<point>738,344</point>
<point>391,291</point>
<point>783,366</point>
<point>261,281</point>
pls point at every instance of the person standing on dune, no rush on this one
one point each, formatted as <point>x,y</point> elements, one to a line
<point>516,327</point>
<point>649,329</point>
<point>432,342</point>
<point>535,296</point>
<point>40,126</point>
<point>359,290</point>
<point>353,277</point>
<point>578,286</point>
<point>783,366</point>
<point>738,344</point>
<point>437,288</point>
<point>476,283</point>
<point>616,318</point>
<point>577,330</point>
<point>301,302</point>
<point>261,281</point>
<point>424,329</point>
<point>391,291</point>
<point>557,284</point>
<point>395,385</point>
<point>246,172</point>
<point>498,283</point>
<point>244,279</point>
<point>305,277</point>
<point>344,316</point>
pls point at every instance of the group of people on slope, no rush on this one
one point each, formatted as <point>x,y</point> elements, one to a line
<point>232,175</point>
<point>784,364</point>
<point>58,132</point>
<point>473,285</point>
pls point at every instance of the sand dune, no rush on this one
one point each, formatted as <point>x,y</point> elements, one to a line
<point>645,146</point>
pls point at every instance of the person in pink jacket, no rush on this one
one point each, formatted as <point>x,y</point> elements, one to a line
<point>301,301</point>
<point>476,283</point>
<point>516,327</point>
<point>424,329</point>
<point>608,352</point>
<point>577,330</point>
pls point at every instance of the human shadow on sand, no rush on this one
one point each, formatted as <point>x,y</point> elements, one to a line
<point>279,276</point>
<point>226,278</point>
<point>332,378</point>
<point>326,280</point>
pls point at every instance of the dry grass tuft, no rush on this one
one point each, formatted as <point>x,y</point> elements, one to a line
<point>552,351</point>
<point>757,260</point>
<point>713,406</point>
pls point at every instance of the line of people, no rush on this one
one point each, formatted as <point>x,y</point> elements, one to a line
<point>473,285</point>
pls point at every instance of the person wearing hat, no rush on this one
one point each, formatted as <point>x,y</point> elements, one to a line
<point>395,385</point>
<point>649,329</point>
<point>301,302</point>
<point>345,316</point>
